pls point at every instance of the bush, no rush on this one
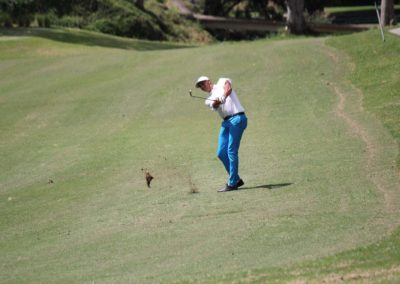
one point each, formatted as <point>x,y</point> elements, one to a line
<point>127,26</point>
<point>71,22</point>
<point>140,27</point>
<point>18,12</point>
<point>5,20</point>
<point>104,25</point>
<point>45,20</point>
<point>25,20</point>
<point>122,18</point>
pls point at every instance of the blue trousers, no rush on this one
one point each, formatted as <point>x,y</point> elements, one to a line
<point>228,145</point>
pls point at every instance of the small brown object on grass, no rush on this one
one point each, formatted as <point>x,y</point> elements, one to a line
<point>148,177</point>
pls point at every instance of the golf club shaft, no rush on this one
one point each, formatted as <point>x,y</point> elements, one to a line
<point>202,98</point>
<point>197,97</point>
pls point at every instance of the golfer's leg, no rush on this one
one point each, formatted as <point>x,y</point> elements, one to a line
<point>222,151</point>
<point>235,135</point>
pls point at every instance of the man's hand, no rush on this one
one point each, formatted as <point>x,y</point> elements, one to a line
<point>216,103</point>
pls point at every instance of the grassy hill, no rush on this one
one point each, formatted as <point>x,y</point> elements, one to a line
<point>82,114</point>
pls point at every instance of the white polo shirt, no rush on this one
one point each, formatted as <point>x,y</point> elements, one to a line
<point>230,105</point>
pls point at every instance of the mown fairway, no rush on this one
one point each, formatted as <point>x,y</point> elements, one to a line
<point>320,173</point>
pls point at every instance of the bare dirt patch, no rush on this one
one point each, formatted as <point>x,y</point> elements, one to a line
<point>361,276</point>
<point>371,149</point>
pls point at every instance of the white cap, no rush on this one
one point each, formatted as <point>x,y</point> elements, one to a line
<point>201,79</point>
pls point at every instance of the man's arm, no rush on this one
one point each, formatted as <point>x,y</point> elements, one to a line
<point>227,88</point>
<point>223,93</point>
<point>226,92</point>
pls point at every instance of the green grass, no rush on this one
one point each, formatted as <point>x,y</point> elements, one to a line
<point>91,116</point>
<point>376,74</point>
<point>377,263</point>
<point>377,78</point>
<point>344,9</point>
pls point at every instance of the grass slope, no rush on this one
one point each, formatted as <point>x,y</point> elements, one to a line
<point>90,117</point>
<point>379,262</point>
<point>376,74</point>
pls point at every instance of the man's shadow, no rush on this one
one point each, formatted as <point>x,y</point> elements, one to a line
<point>267,186</point>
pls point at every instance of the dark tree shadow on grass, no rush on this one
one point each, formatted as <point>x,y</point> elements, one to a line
<point>358,17</point>
<point>84,37</point>
<point>267,186</point>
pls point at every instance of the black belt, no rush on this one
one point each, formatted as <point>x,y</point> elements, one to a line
<point>230,116</point>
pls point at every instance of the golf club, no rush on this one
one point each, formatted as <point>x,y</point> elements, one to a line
<point>190,93</point>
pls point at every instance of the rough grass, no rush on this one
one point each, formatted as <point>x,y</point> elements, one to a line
<point>90,117</point>
<point>377,66</point>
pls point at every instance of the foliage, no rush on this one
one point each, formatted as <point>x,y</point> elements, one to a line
<point>5,20</point>
<point>117,17</point>
<point>177,27</point>
<point>19,12</point>
<point>268,9</point>
<point>71,21</point>
<point>44,20</point>
<point>121,18</point>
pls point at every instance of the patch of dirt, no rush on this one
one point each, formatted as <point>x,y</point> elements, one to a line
<point>371,149</point>
<point>361,276</point>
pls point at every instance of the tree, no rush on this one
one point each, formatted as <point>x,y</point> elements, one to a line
<point>295,18</point>
<point>219,7</point>
<point>313,6</point>
<point>19,12</point>
<point>387,12</point>
<point>295,8</point>
<point>139,4</point>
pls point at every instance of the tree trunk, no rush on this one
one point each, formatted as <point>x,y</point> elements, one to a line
<point>296,23</point>
<point>213,7</point>
<point>387,12</point>
<point>139,4</point>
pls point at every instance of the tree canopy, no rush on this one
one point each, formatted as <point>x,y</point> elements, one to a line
<point>130,18</point>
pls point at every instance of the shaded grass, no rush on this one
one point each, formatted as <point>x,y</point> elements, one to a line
<point>344,9</point>
<point>356,14</point>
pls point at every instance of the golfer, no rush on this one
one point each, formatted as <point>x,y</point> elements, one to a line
<point>224,100</point>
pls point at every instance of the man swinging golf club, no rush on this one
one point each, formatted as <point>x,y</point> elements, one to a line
<point>224,100</point>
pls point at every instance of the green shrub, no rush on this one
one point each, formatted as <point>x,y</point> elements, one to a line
<point>25,20</point>
<point>124,19</point>
<point>140,27</point>
<point>104,25</point>
<point>128,26</point>
<point>45,20</point>
<point>5,20</point>
<point>71,22</point>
